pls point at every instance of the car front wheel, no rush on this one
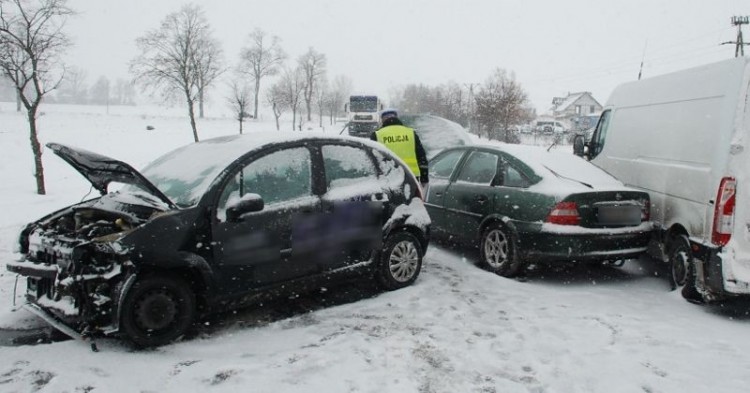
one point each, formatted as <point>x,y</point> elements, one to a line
<point>157,310</point>
<point>497,252</point>
<point>401,261</point>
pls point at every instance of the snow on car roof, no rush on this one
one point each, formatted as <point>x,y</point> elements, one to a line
<point>573,170</point>
<point>198,164</point>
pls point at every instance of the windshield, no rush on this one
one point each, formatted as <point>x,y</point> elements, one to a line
<point>185,174</point>
<point>363,104</point>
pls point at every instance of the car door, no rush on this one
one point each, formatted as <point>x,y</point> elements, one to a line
<point>441,170</point>
<point>256,249</point>
<point>512,198</point>
<point>353,204</point>
<point>469,197</point>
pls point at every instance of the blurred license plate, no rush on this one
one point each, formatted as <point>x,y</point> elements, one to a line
<point>619,215</point>
<point>32,288</point>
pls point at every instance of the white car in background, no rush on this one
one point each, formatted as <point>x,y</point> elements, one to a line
<point>549,127</point>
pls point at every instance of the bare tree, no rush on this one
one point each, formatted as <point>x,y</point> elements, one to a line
<point>208,67</point>
<point>500,103</point>
<point>124,92</point>
<point>100,91</point>
<point>313,66</point>
<point>275,98</point>
<point>292,85</point>
<point>261,58</point>
<point>31,41</point>
<point>340,90</point>
<point>321,99</point>
<point>73,88</point>
<point>173,57</point>
<point>239,100</point>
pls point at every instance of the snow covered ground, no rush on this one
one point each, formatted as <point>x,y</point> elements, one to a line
<point>458,329</point>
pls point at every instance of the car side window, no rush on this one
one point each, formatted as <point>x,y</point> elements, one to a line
<point>277,177</point>
<point>442,168</point>
<point>600,135</point>
<point>480,168</point>
<point>346,166</point>
<point>513,178</point>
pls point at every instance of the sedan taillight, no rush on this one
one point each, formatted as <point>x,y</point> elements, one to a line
<point>645,209</point>
<point>564,213</point>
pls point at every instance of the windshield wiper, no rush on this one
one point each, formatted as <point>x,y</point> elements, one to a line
<point>565,177</point>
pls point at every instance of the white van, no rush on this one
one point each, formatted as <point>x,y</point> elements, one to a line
<point>685,138</point>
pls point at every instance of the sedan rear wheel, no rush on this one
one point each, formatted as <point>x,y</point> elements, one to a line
<point>497,251</point>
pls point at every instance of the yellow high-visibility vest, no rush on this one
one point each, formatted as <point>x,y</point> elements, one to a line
<point>400,140</point>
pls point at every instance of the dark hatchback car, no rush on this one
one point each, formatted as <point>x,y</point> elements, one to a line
<point>524,204</point>
<point>218,224</point>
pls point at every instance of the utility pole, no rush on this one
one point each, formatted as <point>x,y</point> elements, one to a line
<point>739,49</point>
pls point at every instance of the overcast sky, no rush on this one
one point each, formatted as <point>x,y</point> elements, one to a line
<point>553,46</point>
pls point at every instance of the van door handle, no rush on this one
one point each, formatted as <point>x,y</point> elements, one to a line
<point>481,199</point>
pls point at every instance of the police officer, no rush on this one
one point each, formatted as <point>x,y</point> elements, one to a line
<point>403,142</point>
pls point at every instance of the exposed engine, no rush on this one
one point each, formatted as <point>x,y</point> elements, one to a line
<point>78,249</point>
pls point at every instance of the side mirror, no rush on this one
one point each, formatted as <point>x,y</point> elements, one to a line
<point>578,145</point>
<point>247,204</point>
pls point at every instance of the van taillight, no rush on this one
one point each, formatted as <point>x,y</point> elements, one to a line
<point>724,212</point>
<point>564,213</point>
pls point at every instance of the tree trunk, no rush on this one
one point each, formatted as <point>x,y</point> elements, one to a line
<point>37,149</point>
<point>276,114</point>
<point>200,104</point>
<point>240,124</point>
<point>255,104</point>
<point>294,118</point>
<point>18,101</point>
<point>191,112</point>
<point>309,109</point>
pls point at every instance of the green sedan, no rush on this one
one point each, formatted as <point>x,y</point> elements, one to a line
<point>523,204</point>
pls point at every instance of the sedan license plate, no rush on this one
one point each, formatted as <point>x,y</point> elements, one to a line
<point>619,215</point>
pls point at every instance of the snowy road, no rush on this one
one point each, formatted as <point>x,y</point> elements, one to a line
<point>459,329</point>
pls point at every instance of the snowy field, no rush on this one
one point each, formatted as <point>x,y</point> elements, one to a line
<point>458,329</point>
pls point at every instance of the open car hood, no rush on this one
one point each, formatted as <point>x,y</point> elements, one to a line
<point>101,170</point>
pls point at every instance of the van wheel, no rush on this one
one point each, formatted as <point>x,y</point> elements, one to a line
<point>679,257</point>
<point>157,310</point>
<point>690,290</point>
<point>400,261</point>
<point>497,251</point>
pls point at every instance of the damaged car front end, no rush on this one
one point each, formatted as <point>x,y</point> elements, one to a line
<point>77,261</point>
<point>73,262</point>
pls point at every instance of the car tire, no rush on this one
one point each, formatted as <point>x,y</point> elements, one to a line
<point>679,257</point>
<point>400,261</point>
<point>497,251</point>
<point>157,310</point>
<point>690,290</point>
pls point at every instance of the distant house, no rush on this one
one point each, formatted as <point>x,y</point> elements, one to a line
<point>576,109</point>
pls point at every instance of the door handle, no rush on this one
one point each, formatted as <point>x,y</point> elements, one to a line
<point>481,199</point>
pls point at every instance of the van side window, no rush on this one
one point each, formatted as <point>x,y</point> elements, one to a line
<point>600,135</point>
